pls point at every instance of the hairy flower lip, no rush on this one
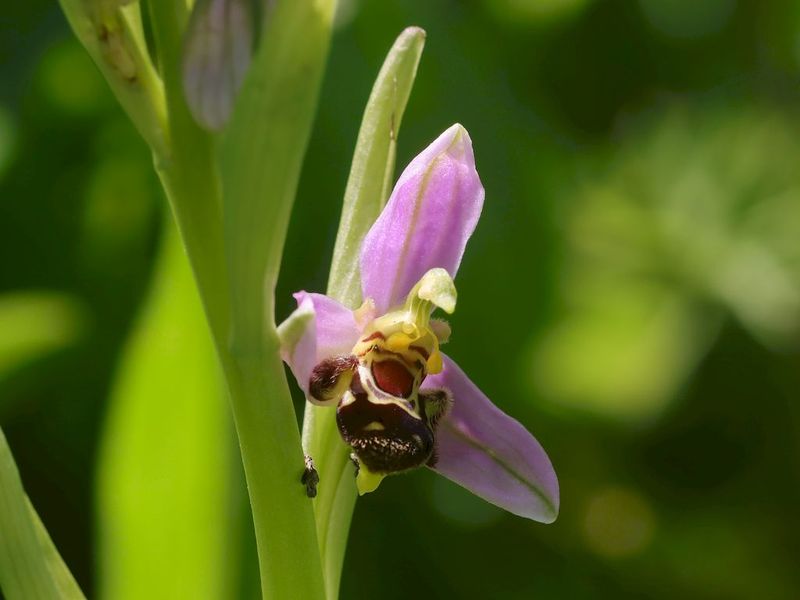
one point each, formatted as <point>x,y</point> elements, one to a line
<point>432,212</point>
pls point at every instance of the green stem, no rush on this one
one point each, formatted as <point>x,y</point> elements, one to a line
<point>239,308</point>
<point>366,193</point>
<point>261,155</point>
<point>249,235</point>
<point>269,442</point>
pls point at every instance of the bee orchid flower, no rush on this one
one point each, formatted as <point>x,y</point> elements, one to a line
<point>400,402</point>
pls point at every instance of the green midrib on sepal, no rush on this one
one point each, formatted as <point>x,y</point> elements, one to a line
<point>552,511</point>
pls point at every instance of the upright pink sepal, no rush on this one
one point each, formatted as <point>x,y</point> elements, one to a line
<point>430,215</point>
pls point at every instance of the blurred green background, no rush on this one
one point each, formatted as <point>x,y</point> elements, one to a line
<point>631,294</point>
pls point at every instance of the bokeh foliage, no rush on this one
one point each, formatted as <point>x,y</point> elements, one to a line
<point>631,293</point>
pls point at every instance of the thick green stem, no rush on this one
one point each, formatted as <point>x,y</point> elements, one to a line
<point>261,156</point>
<point>235,254</point>
<point>367,190</point>
<point>273,463</point>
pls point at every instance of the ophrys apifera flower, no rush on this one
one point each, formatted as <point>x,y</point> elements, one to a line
<point>400,402</point>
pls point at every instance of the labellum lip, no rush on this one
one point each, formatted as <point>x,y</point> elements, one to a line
<point>385,437</point>
<point>393,377</point>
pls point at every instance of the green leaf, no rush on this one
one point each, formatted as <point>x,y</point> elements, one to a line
<point>368,185</point>
<point>30,565</point>
<point>164,476</point>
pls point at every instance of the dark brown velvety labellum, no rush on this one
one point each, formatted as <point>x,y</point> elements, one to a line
<point>385,437</point>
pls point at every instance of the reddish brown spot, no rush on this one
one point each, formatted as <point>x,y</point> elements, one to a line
<point>375,336</point>
<point>393,378</point>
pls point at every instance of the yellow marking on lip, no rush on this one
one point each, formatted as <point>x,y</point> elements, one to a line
<point>374,426</point>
